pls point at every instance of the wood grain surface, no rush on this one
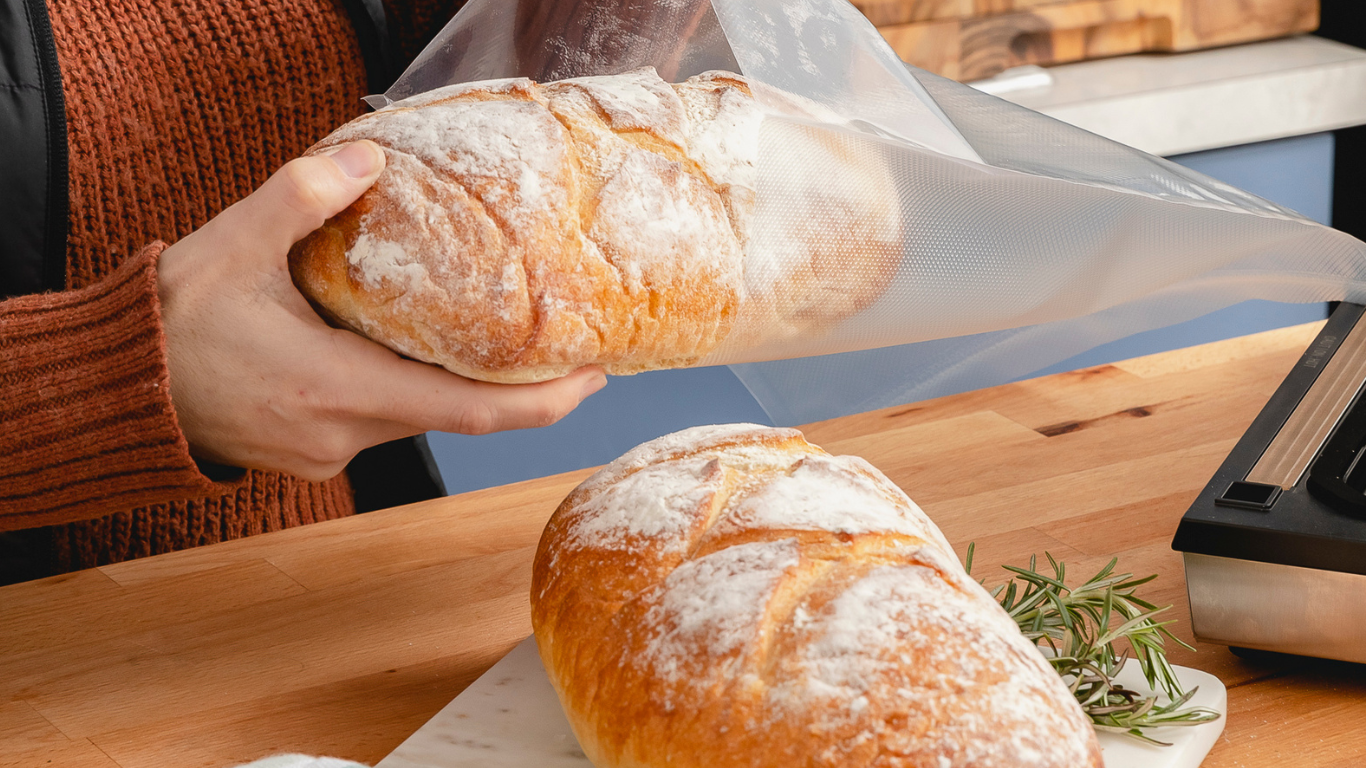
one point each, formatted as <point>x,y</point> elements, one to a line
<point>973,39</point>
<point>344,637</point>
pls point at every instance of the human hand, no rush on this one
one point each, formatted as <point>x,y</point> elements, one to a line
<point>258,380</point>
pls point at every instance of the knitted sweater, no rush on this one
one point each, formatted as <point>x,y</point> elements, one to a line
<point>175,110</point>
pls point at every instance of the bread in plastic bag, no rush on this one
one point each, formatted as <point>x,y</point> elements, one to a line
<point>1024,240</point>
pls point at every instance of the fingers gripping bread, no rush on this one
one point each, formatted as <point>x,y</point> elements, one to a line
<point>521,230</point>
<point>734,596</point>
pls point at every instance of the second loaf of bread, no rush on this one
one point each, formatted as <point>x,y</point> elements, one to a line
<point>520,230</point>
<point>735,596</point>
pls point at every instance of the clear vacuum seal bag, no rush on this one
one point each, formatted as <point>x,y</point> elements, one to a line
<point>1018,242</point>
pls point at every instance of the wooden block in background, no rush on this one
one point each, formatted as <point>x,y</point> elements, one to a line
<point>886,12</point>
<point>973,39</point>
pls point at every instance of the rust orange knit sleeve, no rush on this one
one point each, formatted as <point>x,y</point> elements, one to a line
<point>86,423</point>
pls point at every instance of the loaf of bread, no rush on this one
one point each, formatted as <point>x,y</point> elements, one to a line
<point>520,231</point>
<point>734,596</point>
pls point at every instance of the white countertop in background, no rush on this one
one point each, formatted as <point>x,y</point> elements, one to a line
<point>1170,104</point>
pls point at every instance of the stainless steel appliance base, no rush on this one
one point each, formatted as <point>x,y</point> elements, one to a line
<point>1282,608</point>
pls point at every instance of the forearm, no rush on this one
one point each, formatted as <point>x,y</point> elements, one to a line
<point>88,426</point>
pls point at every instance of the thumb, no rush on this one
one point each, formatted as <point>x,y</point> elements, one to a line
<point>304,193</point>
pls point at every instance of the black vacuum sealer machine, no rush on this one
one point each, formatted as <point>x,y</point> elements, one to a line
<point>1275,546</point>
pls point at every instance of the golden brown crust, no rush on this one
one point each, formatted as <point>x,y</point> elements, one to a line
<point>521,231</point>
<point>735,596</point>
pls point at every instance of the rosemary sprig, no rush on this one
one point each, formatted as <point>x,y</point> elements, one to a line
<point>1082,626</point>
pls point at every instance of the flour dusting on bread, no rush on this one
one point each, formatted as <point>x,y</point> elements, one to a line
<point>637,101</point>
<point>657,504</point>
<point>829,493</point>
<point>715,604</point>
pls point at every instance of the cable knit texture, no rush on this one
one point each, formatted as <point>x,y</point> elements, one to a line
<point>87,401</point>
<point>175,110</point>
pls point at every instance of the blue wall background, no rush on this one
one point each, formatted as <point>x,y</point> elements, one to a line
<point>1296,173</point>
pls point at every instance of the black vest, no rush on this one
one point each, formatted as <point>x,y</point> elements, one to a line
<point>33,207</point>
<point>33,178</point>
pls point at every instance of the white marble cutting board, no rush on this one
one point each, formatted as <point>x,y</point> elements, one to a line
<point>510,718</point>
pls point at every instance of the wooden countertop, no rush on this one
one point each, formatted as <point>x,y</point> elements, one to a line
<point>343,638</point>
